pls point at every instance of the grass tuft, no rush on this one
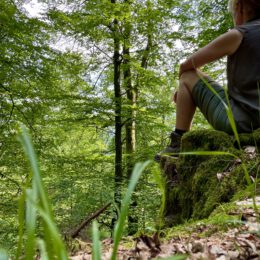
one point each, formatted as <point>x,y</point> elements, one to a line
<point>37,209</point>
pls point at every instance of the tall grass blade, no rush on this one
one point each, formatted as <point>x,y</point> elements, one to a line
<point>232,121</point>
<point>96,253</point>
<point>160,181</point>
<point>21,217</point>
<point>43,250</point>
<point>119,228</point>
<point>30,223</point>
<point>227,108</point>
<point>37,184</point>
<point>37,201</point>
<point>211,153</point>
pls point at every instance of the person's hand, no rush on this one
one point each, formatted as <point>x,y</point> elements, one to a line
<point>174,97</point>
<point>185,66</point>
<point>181,69</point>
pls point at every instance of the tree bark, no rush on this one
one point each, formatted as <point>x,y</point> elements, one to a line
<point>130,130</point>
<point>130,125</point>
<point>118,117</point>
<point>84,223</point>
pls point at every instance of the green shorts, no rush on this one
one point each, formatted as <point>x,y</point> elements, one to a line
<point>213,108</point>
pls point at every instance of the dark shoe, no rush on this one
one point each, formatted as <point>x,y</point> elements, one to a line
<point>172,149</point>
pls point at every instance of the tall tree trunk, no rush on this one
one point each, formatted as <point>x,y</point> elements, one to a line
<point>130,130</point>
<point>118,117</point>
<point>130,124</point>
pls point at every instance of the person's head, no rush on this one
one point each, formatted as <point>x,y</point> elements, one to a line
<point>244,10</point>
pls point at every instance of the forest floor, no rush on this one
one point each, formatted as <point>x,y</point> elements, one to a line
<point>232,232</point>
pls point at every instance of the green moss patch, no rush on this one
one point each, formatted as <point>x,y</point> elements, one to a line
<point>197,184</point>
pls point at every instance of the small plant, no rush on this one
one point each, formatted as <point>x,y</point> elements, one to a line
<point>37,209</point>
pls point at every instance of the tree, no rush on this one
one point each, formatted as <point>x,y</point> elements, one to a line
<point>127,48</point>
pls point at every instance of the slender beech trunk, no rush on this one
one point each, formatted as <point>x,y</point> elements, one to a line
<point>130,124</point>
<point>118,116</point>
<point>130,131</point>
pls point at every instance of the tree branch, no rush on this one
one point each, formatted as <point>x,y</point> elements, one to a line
<point>88,220</point>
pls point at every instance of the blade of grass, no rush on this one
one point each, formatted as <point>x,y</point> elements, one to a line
<point>210,153</point>
<point>30,223</point>
<point>43,250</point>
<point>137,171</point>
<point>232,121</point>
<point>160,181</point>
<point>227,108</point>
<point>36,198</point>
<point>25,139</point>
<point>21,217</point>
<point>96,253</point>
<point>54,239</point>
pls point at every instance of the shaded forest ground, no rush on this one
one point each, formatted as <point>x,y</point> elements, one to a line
<point>231,232</point>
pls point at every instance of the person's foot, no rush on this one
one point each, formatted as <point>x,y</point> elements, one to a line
<point>172,149</point>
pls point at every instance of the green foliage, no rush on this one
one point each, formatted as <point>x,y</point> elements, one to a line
<point>56,78</point>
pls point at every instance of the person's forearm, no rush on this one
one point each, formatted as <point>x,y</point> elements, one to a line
<point>226,44</point>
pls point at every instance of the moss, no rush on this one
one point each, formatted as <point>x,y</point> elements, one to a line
<point>218,222</point>
<point>198,191</point>
<point>208,191</point>
<point>206,140</point>
<point>248,192</point>
<point>250,139</point>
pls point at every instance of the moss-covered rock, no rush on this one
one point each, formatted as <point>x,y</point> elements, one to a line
<point>195,184</point>
<point>250,139</point>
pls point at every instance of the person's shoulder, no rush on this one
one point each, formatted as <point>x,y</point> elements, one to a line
<point>232,39</point>
<point>235,33</point>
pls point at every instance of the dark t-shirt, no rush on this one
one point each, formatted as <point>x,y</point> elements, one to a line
<point>243,70</point>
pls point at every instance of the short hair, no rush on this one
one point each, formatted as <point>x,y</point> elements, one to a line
<point>253,5</point>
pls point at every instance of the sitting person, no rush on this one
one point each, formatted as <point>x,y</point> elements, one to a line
<point>242,46</point>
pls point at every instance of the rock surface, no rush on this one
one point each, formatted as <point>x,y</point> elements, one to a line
<point>209,171</point>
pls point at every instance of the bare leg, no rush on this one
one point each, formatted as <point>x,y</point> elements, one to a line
<point>185,105</point>
<point>184,113</point>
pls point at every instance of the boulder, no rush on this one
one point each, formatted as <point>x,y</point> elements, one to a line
<point>210,170</point>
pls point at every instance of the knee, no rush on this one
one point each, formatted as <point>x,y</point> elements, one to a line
<point>189,78</point>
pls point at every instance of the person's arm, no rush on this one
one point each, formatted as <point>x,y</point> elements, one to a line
<point>226,44</point>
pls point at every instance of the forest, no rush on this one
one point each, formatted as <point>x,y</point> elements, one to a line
<point>87,85</point>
